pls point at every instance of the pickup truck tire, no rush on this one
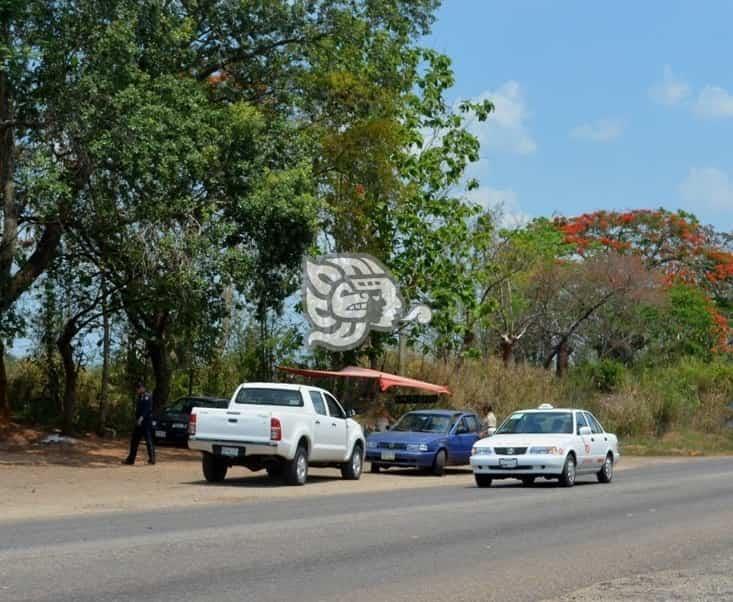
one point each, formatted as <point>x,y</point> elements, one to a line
<point>296,470</point>
<point>567,477</point>
<point>439,463</point>
<point>215,469</point>
<point>351,469</point>
<point>274,471</point>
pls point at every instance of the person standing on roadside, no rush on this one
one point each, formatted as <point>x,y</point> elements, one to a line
<point>143,425</point>
<point>384,419</point>
<point>489,419</point>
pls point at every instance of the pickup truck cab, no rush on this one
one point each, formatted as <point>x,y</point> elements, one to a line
<point>282,428</point>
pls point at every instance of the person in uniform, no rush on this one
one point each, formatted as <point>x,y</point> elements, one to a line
<point>143,425</point>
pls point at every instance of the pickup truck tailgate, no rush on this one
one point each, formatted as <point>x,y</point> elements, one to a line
<point>232,425</point>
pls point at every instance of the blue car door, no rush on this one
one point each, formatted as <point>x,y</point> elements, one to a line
<point>466,434</point>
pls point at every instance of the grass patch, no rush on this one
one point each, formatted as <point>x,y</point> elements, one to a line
<point>680,443</point>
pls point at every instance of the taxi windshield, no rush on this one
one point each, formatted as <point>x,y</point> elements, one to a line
<point>537,423</point>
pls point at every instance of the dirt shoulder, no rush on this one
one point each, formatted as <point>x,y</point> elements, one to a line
<point>53,480</point>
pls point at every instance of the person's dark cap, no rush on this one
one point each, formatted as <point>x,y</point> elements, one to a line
<point>139,385</point>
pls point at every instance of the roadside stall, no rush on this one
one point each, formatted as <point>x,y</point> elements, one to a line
<point>382,381</point>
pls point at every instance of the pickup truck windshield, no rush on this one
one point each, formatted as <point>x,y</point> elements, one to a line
<point>426,423</point>
<point>537,423</point>
<point>269,397</point>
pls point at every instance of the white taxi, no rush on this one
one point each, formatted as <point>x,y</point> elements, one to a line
<point>547,442</point>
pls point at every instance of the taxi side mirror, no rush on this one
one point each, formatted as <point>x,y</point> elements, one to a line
<point>584,430</point>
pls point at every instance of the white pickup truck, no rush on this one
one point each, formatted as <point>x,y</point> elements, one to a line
<point>282,428</point>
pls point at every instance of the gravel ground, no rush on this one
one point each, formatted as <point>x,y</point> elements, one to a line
<point>45,481</point>
<point>712,581</point>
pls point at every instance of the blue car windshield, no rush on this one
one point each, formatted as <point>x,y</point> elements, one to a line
<point>537,423</point>
<point>426,423</point>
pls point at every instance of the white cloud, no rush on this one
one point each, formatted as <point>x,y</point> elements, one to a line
<point>707,189</point>
<point>603,130</point>
<point>506,128</point>
<point>714,101</point>
<point>671,90</point>
<point>504,201</point>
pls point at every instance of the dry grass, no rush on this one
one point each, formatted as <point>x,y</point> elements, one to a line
<point>681,407</point>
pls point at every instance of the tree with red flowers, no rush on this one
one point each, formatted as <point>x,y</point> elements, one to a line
<point>673,242</point>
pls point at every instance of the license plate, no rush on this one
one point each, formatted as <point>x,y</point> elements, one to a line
<point>388,455</point>
<point>508,462</point>
<point>160,434</point>
<point>179,425</point>
<point>232,452</point>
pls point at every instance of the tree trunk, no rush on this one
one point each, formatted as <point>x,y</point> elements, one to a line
<point>507,349</point>
<point>190,379</point>
<point>106,349</point>
<point>563,358</point>
<point>4,400</point>
<point>160,360</point>
<point>13,283</point>
<point>70,374</point>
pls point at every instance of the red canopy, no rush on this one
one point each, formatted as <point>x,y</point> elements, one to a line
<point>385,379</point>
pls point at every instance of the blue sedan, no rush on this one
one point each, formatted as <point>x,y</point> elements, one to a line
<point>425,439</point>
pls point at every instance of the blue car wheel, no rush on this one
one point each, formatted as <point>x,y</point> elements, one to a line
<point>439,463</point>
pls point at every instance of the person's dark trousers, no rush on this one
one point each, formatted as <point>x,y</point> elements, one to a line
<point>141,431</point>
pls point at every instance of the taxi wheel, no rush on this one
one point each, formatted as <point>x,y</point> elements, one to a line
<point>482,480</point>
<point>605,474</point>
<point>439,463</point>
<point>567,477</point>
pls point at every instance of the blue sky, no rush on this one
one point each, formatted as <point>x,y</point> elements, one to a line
<point>621,105</point>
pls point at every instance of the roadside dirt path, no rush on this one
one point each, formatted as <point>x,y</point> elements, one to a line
<point>43,481</point>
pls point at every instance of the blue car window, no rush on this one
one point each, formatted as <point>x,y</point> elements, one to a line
<point>425,423</point>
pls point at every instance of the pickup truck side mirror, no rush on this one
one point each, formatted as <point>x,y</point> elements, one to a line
<point>351,413</point>
<point>584,430</point>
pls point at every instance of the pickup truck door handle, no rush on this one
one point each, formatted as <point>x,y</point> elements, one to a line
<point>333,424</point>
<point>592,438</point>
<point>233,420</point>
<point>318,422</point>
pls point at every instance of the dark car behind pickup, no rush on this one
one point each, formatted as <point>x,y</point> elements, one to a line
<point>170,425</point>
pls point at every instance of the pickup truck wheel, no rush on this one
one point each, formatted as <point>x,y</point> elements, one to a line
<point>482,480</point>
<point>439,463</point>
<point>215,469</point>
<point>567,477</point>
<point>274,471</point>
<point>605,474</point>
<point>296,470</point>
<point>351,469</point>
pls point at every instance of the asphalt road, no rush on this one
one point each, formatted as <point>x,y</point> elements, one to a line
<point>503,543</point>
